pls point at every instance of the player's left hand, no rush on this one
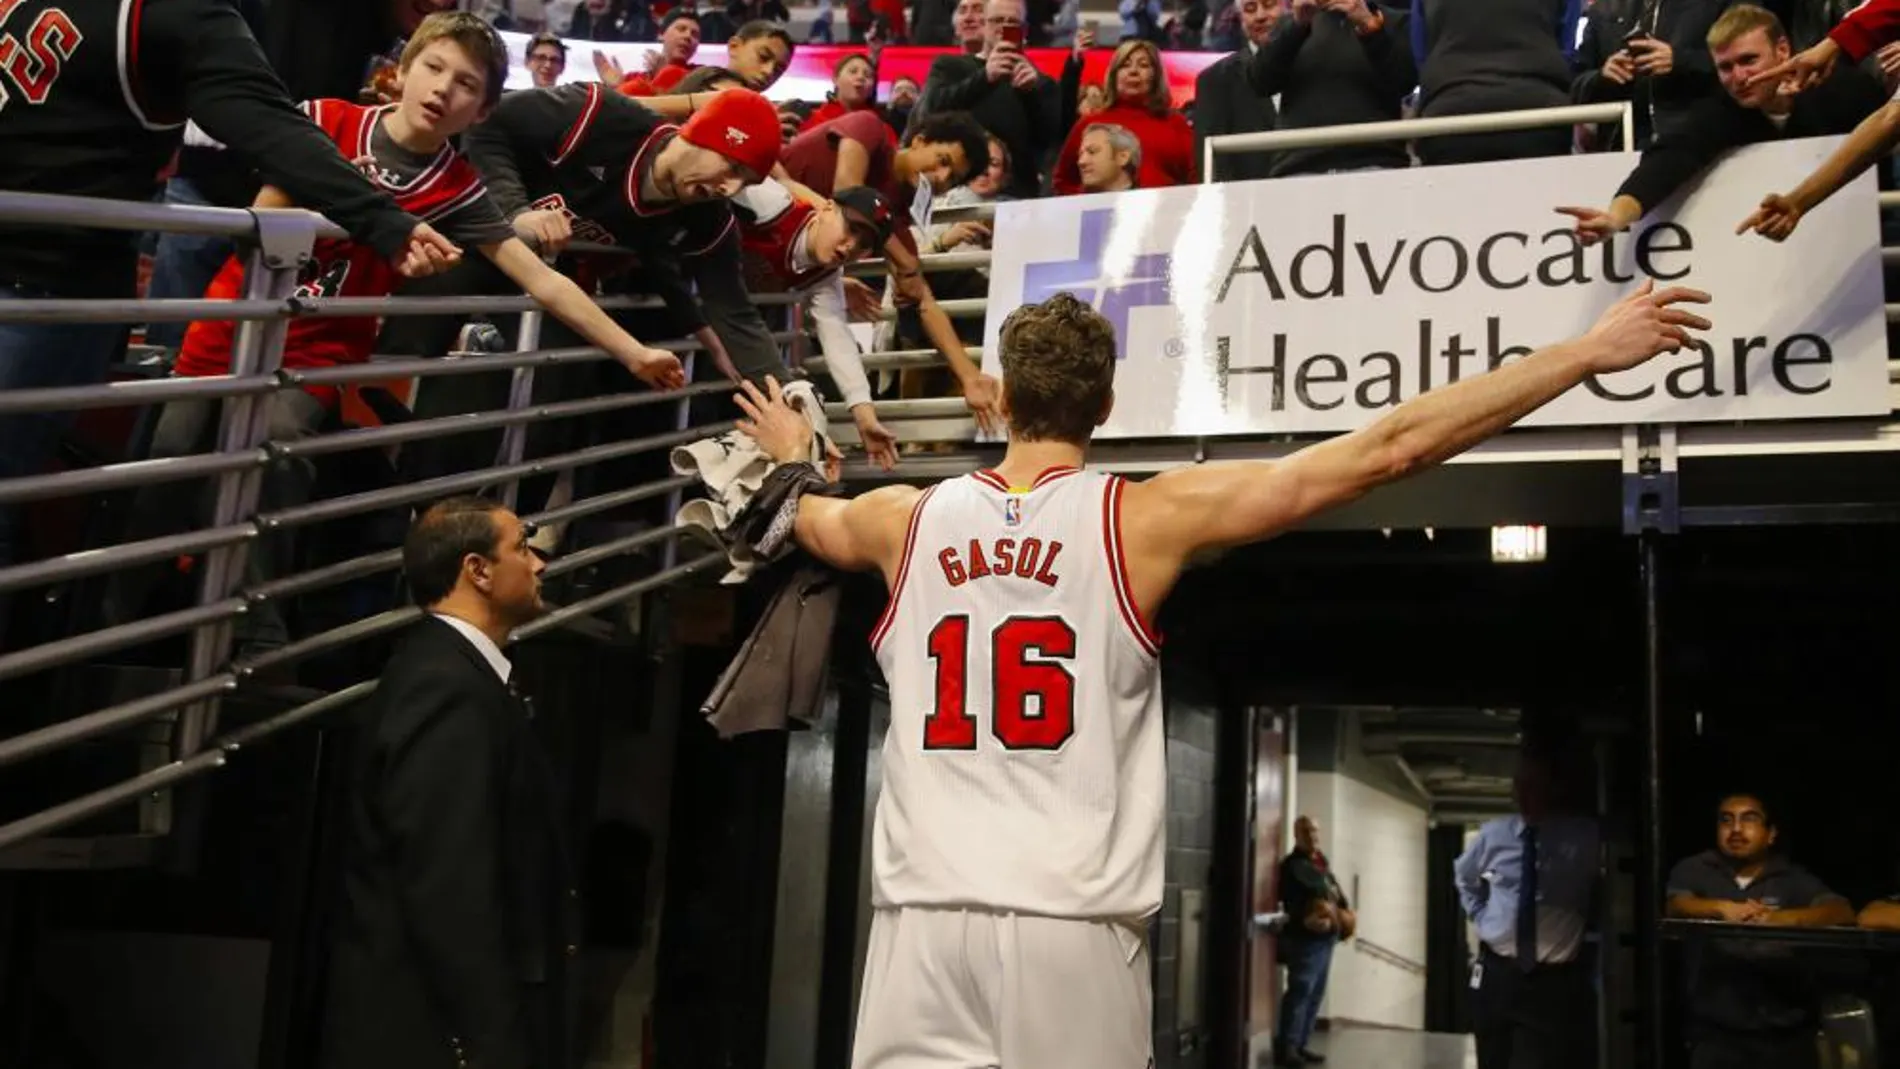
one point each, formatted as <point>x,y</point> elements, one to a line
<point>781,433</point>
<point>428,253</point>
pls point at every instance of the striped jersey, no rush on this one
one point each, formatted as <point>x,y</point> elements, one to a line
<point>443,190</point>
<point>1024,770</point>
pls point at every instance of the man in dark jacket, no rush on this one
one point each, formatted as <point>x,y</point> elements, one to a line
<point>1318,917</point>
<point>1005,94</point>
<point>457,929</point>
<point>1225,101</point>
<point>1744,41</point>
<point>1335,62</point>
<point>1653,55</point>
<point>1477,56</point>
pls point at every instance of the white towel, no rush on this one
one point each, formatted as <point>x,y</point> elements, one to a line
<point>732,469</point>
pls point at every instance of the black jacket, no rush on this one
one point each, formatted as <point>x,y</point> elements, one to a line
<point>572,148</point>
<point>1660,102</point>
<point>1029,123</point>
<point>459,918</point>
<point>1325,74</point>
<point>1225,103</point>
<point>1717,124</point>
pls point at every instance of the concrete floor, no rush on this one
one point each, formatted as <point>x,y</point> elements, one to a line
<point>1376,1048</point>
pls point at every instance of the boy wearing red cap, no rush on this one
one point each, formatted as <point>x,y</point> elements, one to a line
<point>805,246</point>
<point>581,162</point>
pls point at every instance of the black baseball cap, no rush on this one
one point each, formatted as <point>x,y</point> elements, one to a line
<point>867,213</point>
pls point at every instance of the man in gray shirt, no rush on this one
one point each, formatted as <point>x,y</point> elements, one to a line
<point>1750,1006</point>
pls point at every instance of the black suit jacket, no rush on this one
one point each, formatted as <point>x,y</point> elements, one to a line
<point>458,917</point>
<point>1225,103</point>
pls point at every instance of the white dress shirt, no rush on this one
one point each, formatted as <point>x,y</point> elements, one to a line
<point>482,643</point>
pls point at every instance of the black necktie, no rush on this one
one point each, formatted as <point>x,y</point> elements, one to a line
<point>1527,904</point>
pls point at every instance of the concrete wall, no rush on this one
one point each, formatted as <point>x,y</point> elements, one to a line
<point>1373,830</point>
<point>1180,950</point>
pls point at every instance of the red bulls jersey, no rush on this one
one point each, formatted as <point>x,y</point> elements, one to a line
<point>775,239</point>
<point>1024,769</point>
<point>434,190</point>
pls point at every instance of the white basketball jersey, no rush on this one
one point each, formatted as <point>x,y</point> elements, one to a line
<point>1025,768</point>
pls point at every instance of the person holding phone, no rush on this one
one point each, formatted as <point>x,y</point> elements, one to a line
<point>1655,57</point>
<point>1003,91</point>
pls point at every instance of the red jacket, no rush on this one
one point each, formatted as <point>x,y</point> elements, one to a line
<point>1867,27</point>
<point>1167,147</point>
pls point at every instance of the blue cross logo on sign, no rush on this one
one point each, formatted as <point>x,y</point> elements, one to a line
<point>1144,284</point>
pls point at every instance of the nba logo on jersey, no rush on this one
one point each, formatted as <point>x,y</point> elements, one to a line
<point>1012,511</point>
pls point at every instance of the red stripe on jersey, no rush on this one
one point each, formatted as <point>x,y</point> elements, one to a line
<point>634,170</point>
<point>731,222</point>
<point>1052,475</point>
<point>131,15</point>
<point>1118,567</point>
<point>578,132</point>
<point>990,479</point>
<point>903,571</point>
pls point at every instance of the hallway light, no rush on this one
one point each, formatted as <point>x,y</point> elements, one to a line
<point>1517,544</point>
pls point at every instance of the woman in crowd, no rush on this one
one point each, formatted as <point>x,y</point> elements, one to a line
<point>1140,103</point>
<point>853,85</point>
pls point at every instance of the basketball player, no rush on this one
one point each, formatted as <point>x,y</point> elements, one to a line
<point>1018,839</point>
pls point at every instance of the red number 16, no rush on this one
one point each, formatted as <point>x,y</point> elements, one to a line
<point>1025,656</point>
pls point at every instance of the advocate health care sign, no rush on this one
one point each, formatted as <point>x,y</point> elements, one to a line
<point>1318,303</point>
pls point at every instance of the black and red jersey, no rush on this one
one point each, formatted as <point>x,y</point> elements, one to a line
<point>94,95</point>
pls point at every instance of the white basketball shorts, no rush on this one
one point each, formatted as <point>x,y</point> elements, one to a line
<point>963,989</point>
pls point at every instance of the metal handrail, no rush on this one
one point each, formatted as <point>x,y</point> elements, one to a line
<point>1413,129</point>
<point>56,209</point>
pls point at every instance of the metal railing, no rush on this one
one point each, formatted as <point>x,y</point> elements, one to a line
<point>275,244</point>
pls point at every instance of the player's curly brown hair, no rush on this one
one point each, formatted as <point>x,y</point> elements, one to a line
<point>1058,370</point>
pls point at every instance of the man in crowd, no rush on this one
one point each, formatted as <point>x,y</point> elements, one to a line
<point>1004,92</point>
<point>1744,41</point>
<point>101,123</point>
<point>547,60</point>
<point>1334,62</point>
<point>1225,101</point>
<point>1654,55</point>
<point>1750,1006</point>
<point>805,246</point>
<point>1109,159</point>
<point>456,934</point>
<point>1528,883</point>
<point>679,42</point>
<point>1318,918</point>
<point>938,153</point>
<point>581,162</point>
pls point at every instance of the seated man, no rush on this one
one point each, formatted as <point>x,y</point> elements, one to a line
<point>1748,1007</point>
<point>1109,159</point>
<point>1744,41</point>
<point>451,73</point>
<point>805,246</point>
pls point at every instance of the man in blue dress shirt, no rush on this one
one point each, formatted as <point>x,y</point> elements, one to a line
<point>1527,883</point>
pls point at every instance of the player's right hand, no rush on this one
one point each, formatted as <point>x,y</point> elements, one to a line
<point>1803,70</point>
<point>1775,219</point>
<point>428,253</point>
<point>1645,324</point>
<point>984,395</point>
<point>657,368</point>
<point>546,231</point>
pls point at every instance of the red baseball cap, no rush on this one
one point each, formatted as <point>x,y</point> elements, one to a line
<point>740,125</point>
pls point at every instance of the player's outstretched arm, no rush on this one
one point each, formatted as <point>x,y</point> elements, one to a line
<point>1180,512</point>
<point>860,534</point>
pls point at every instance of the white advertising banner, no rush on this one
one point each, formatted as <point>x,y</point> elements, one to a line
<point>1317,304</point>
